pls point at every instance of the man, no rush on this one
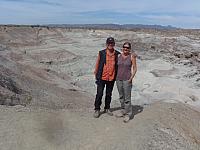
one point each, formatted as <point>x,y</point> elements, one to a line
<point>105,74</point>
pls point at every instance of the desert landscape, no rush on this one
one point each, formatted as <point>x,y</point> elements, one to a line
<point>47,90</point>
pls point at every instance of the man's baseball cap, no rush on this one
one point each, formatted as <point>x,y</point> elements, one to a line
<point>110,40</point>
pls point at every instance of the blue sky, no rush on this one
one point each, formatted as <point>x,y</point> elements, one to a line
<point>179,13</point>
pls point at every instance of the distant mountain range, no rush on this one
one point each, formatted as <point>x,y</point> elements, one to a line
<point>113,26</point>
<point>101,26</point>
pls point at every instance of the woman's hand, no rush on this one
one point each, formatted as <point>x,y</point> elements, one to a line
<point>130,80</point>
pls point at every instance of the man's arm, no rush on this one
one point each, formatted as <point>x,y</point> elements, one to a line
<point>97,65</point>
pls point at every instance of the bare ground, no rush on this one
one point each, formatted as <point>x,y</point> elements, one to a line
<point>47,91</point>
<point>158,126</point>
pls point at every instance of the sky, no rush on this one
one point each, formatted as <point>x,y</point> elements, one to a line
<point>177,13</point>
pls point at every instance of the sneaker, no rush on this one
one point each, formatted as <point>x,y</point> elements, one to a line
<point>126,119</point>
<point>96,114</point>
<point>108,112</point>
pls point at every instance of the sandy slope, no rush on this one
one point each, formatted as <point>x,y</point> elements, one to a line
<point>159,126</point>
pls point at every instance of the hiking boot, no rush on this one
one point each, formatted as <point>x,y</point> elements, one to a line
<point>96,114</point>
<point>126,118</point>
<point>108,112</point>
<point>120,114</point>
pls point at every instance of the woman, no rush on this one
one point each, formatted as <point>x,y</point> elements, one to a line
<point>126,71</point>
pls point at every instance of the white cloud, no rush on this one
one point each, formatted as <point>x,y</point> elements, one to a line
<point>174,12</point>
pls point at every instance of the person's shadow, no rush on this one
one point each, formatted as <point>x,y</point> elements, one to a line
<point>136,109</point>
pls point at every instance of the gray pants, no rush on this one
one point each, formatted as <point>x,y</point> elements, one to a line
<point>124,89</point>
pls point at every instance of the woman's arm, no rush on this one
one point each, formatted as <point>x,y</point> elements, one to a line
<point>133,67</point>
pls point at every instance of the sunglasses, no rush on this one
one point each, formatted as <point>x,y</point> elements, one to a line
<point>126,47</point>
